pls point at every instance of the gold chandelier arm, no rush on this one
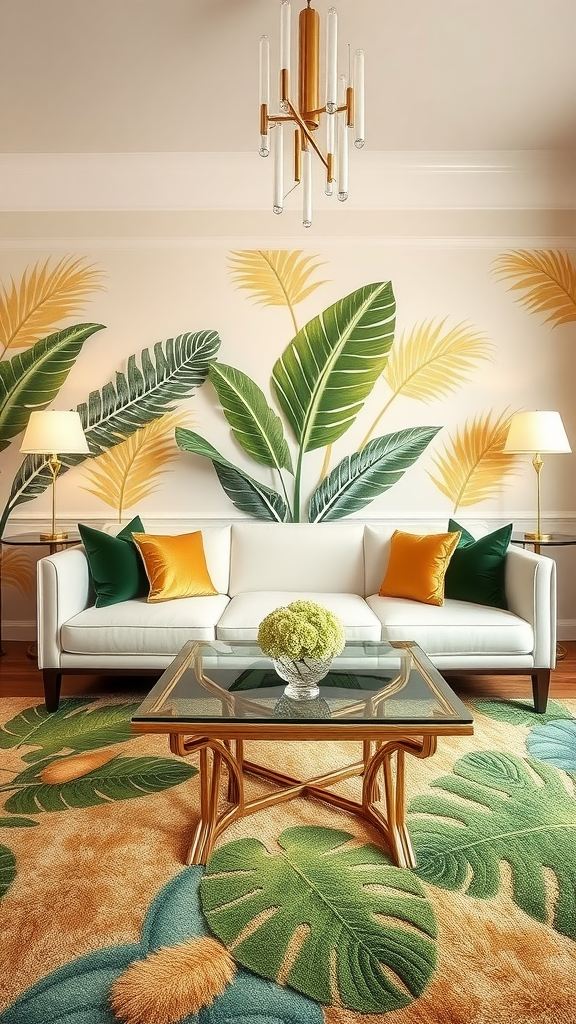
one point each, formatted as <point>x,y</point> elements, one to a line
<point>304,128</point>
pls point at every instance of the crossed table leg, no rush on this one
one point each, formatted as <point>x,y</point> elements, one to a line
<point>382,767</point>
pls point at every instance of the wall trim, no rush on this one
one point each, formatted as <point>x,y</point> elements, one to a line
<point>513,180</point>
<point>151,243</point>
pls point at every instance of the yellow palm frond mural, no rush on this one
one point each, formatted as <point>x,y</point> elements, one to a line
<point>44,297</point>
<point>547,278</point>
<point>276,277</point>
<point>473,466</point>
<point>431,361</point>
<point>17,571</point>
<point>126,474</point>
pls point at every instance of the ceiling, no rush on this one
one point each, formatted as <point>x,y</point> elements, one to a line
<point>181,75</point>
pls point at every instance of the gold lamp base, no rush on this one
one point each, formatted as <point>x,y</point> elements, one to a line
<point>537,536</point>
<point>55,536</point>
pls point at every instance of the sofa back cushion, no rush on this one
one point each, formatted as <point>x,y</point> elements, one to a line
<point>297,557</point>
<point>216,540</point>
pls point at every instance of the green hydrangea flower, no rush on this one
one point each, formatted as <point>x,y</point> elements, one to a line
<point>302,629</point>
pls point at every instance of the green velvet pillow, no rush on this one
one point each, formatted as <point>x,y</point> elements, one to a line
<point>116,568</point>
<point>477,567</point>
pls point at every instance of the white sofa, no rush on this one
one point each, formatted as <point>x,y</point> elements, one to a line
<point>256,567</point>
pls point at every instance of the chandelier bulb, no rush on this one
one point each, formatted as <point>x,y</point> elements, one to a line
<point>342,196</point>
<point>359,143</point>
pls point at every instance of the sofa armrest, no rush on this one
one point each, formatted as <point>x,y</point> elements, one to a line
<point>63,590</point>
<point>530,584</point>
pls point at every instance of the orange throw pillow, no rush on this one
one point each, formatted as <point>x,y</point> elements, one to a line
<point>417,566</point>
<point>175,566</point>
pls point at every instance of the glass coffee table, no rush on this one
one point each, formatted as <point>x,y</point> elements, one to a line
<point>216,695</point>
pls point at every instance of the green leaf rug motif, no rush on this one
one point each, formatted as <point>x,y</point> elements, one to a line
<point>313,917</point>
<point>121,778</point>
<point>76,726</point>
<point>506,809</point>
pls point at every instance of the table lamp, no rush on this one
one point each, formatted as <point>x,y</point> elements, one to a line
<point>537,433</point>
<point>50,432</point>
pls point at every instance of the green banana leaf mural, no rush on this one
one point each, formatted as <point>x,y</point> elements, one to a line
<point>31,379</point>
<point>145,392</point>
<point>321,382</point>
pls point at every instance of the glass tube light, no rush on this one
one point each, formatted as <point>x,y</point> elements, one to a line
<point>342,174</point>
<point>278,186</point>
<point>330,147</point>
<point>285,16</point>
<point>331,60</point>
<point>264,149</point>
<point>359,136</point>
<point>307,187</point>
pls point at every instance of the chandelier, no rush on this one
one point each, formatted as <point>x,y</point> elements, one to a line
<point>342,111</point>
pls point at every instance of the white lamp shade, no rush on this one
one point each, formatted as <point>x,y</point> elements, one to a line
<point>541,432</point>
<point>52,432</point>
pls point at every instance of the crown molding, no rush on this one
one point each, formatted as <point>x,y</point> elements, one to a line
<point>502,180</point>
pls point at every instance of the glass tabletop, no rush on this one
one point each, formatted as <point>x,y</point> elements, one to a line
<point>555,540</point>
<point>379,682</point>
<point>34,539</point>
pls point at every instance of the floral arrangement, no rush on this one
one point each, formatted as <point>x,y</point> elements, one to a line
<point>302,629</point>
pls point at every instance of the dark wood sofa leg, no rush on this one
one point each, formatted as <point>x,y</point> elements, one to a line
<point>540,687</point>
<point>52,680</point>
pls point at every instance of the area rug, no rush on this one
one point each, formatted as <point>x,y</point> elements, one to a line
<point>299,917</point>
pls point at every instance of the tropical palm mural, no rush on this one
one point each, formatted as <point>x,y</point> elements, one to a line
<point>123,476</point>
<point>546,279</point>
<point>472,466</point>
<point>321,383</point>
<point>44,297</point>
<point>332,370</point>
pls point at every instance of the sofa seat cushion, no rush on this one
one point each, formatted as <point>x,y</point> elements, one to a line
<point>456,627</point>
<point>136,627</point>
<point>245,612</point>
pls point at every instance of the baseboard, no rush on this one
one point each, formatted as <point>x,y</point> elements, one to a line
<point>19,630</point>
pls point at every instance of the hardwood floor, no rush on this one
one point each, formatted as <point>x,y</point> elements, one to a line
<point>19,677</point>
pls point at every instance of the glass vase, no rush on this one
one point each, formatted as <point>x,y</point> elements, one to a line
<point>302,675</point>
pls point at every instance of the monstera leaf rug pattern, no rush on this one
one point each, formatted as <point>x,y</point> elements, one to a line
<point>299,916</point>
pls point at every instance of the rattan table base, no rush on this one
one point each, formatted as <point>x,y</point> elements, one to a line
<point>383,802</point>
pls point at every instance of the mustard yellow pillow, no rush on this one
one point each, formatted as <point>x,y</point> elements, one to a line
<point>175,566</point>
<point>417,566</point>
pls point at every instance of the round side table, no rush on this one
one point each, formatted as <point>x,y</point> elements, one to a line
<point>33,540</point>
<point>556,540</point>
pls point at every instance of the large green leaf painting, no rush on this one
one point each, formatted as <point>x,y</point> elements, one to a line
<point>125,404</point>
<point>256,427</point>
<point>121,778</point>
<point>32,378</point>
<point>362,476</point>
<point>359,930</point>
<point>500,809</point>
<point>246,493</point>
<point>76,726</point>
<point>326,373</point>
